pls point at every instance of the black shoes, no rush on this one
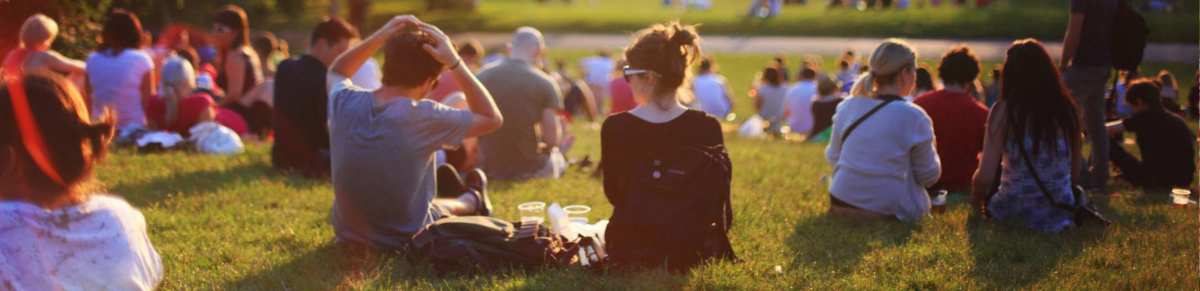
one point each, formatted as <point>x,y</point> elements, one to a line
<point>477,183</point>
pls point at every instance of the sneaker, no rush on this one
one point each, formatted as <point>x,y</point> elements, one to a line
<point>477,181</point>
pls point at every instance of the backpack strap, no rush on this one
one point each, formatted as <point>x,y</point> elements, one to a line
<point>886,99</point>
<point>1037,179</point>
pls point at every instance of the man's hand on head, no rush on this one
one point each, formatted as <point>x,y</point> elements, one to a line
<point>397,25</point>
<point>441,48</point>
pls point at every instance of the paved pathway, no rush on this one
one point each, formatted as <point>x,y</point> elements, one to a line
<point>988,50</point>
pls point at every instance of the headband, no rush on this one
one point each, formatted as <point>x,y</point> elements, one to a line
<point>31,137</point>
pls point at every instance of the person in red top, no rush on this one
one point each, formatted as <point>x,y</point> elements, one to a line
<point>958,120</point>
<point>622,94</point>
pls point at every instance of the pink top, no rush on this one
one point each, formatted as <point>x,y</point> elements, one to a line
<point>446,84</point>
<point>622,96</point>
<point>14,64</point>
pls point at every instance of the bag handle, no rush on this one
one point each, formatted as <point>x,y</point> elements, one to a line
<point>886,99</point>
<point>1036,178</point>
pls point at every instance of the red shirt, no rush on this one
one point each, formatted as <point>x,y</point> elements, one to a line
<point>959,123</point>
<point>622,96</point>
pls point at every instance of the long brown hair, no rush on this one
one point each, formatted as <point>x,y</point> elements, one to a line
<point>1036,97</point>
<point>667,49</point>
<point>71,142</point>
<point>122,30</point>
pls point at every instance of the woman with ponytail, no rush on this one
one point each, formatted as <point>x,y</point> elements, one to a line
<point>55,232</point>
<point>882,170</point>
<point>179,106</point>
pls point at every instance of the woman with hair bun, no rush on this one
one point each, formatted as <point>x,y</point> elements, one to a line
<point>882,170</point>
<point>658,74</point>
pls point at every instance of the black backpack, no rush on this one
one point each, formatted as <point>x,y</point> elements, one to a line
<point>477,243</point>
<point>1129,34</point>
<point>677,213</point>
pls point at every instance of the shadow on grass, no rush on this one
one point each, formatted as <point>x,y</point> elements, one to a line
<point>836,244</point>
<point>1009,255</point>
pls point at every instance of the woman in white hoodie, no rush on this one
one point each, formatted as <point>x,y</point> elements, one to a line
<point>883,163</point>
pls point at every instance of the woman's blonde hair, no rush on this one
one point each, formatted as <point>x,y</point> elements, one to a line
<point>38,29</point>
<point>887,62</point>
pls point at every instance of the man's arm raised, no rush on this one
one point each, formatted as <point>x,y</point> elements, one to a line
<point>487,117</point>
<point>349,62</point>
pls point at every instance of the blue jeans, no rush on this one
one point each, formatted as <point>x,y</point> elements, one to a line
<point>1087,85</point>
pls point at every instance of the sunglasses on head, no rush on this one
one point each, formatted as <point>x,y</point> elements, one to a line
<point>627,72</point>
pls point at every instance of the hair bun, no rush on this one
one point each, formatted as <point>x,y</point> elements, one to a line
<point>682,35</point>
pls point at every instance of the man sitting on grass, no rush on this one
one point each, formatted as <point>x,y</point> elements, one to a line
<point>383,142</point>
<point>958,119</point>
<point>1164,139</point>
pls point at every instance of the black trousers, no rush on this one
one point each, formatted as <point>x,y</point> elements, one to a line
<point>1136,172</point>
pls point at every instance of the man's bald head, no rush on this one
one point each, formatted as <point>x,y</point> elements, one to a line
<point>527,44</point>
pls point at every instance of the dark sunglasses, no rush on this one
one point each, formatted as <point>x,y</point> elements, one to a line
<point>627,72</point>
<point>219,28</point>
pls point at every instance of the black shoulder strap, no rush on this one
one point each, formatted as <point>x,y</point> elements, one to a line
<point>864,118</point>
<point>1036,178</point>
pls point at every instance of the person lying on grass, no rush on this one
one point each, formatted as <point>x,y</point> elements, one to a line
<point>382,142</point>
<point>54,233</point>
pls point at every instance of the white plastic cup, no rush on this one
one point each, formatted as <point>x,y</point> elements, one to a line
<point>1180,196</point>
<point>577,214</point>
<point>533,211</point>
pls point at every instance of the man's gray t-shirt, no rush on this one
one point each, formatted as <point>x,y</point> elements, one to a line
<point>383,163</point>
<point>522,93</point>
<point>1095,38</point>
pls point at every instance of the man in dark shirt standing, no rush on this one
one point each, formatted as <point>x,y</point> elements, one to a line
<point>301,131</point>
<point>1086,66</point>
<point>1164,139</point>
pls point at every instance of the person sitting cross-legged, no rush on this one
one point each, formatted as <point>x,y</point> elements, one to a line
<point>382,142</point>
<point>527,146</point>
<point>1168,157</point>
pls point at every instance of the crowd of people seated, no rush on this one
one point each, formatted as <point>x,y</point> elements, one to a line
<point>416,138</point>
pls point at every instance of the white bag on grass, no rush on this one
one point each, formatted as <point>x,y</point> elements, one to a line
<point>213,138</point>
<point>753,127</point>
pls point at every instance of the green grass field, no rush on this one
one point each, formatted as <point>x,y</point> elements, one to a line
<point>1008,19</point>
<point>234,223</point>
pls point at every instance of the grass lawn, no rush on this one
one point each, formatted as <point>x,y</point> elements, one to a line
<point>1008,19</point>
<point>233,223</point>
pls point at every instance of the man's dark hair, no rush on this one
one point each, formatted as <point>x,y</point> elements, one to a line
<point>333,30</point>
<point>959,66</point>
<point>264,43</point>
<point>1144,91</point>
<point>844,64</point>
<point>808,74</point>
<point>470,48</point>
<point>406,63</point>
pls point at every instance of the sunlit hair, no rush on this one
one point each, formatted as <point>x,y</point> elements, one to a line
<point>887,62</point>
<point>73,143</point>
<point>1143,91</point>
<point>38,30</point>
<point>667,49</point>
<point>1035,96</point>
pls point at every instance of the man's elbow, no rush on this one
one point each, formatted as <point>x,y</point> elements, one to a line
<point>494,123</point>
